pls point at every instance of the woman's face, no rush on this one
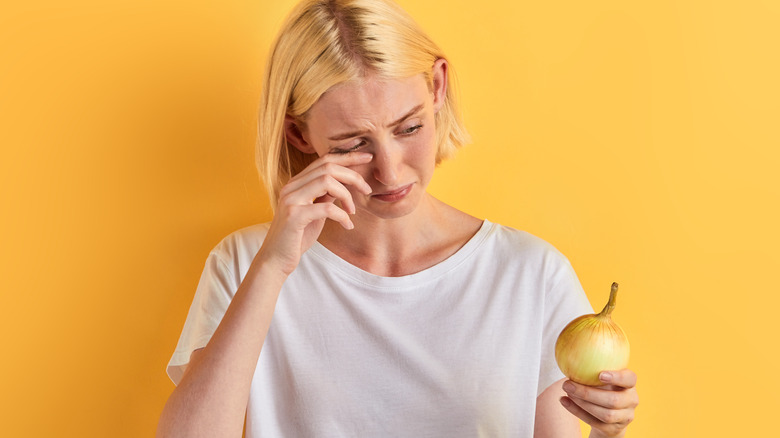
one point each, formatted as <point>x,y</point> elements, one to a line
<point>394,121</point>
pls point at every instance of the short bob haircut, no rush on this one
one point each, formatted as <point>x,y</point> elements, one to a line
<point>328,42</point>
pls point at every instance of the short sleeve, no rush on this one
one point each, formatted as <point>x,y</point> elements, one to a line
<point>564,301</point>
<point>216,289</point>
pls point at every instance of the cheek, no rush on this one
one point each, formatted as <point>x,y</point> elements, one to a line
<point>365,172</point>
<point>423,148</point>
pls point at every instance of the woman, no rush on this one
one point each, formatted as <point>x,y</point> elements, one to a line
<point>367,307</point>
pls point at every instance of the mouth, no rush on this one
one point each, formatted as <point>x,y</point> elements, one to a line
<point>393,195</point>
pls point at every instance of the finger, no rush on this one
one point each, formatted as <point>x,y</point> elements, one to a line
<point>323,189</point>
<point>604,414</point>
<point>609,429</point>
<point>611,397</point>
<point>319,181</point>
<point>323,198</point>
<point>624,378</point>
<point>578,412</point>
<point>335,213</point>
<point>307,214</point>
<point>350,159</point>
<point>338,166</point>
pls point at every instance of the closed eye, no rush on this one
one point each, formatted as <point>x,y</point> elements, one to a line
<point>348,150</point>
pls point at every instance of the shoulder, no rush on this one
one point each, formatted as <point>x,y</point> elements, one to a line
<point>238,249</point>
<point>518,243</point>
<point>527,257</point>
<point>522,254</point>
<point>247,236</point>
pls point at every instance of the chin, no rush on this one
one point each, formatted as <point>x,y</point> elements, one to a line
<point>392,210</point>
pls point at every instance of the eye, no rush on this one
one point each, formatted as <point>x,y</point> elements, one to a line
<point>411,130</point>
<point>348,150</point>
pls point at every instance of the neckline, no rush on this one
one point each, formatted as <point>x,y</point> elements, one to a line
<point>368,279</point>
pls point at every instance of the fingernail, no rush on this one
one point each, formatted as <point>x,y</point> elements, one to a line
<point>565,402</point>
<point>569,387</point>
<point>605,376</point>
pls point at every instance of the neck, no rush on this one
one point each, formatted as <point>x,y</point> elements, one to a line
<point>391,247</point>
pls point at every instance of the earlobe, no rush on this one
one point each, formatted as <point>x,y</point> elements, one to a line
<point>439,83</point>
<point>295,137</point>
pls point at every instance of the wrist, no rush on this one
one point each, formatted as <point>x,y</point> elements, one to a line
<point>269,263</point>
<point>266,272</point>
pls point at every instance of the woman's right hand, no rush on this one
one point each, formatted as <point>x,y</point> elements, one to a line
<point>306,201</point>
<point>210,400</point>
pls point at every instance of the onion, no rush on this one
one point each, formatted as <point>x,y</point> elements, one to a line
<point>591,344</point>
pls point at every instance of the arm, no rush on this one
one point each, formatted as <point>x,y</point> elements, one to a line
<point>211,399</point>
<point>608,409</point>
<point>552,420</point>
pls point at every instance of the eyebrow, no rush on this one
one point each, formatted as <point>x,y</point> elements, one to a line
<point>351,134</point>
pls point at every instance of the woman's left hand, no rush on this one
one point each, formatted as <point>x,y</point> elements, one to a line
<point>608,409</point>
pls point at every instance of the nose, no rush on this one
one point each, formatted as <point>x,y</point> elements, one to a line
<point>386,163</point>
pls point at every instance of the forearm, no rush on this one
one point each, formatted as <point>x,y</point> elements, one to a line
<point>211,399</point>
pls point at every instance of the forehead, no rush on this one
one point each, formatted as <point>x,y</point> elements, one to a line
<point>369,101</point>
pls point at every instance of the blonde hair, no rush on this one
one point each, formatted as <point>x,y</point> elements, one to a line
<point>327,42</point>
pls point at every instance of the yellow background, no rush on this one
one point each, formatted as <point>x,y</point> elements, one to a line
<point>639,137</point>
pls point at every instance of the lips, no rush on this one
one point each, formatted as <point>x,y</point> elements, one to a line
<point>393,195</point>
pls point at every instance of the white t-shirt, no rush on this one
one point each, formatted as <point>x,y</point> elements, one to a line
<point>461,349</point>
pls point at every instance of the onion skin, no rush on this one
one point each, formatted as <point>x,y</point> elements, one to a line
<point>591,344</point>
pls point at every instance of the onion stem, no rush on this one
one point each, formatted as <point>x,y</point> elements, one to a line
<point>607,310</point>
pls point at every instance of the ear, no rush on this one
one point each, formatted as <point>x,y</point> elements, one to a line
<point>439,74</point>
<point>295,137</point>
